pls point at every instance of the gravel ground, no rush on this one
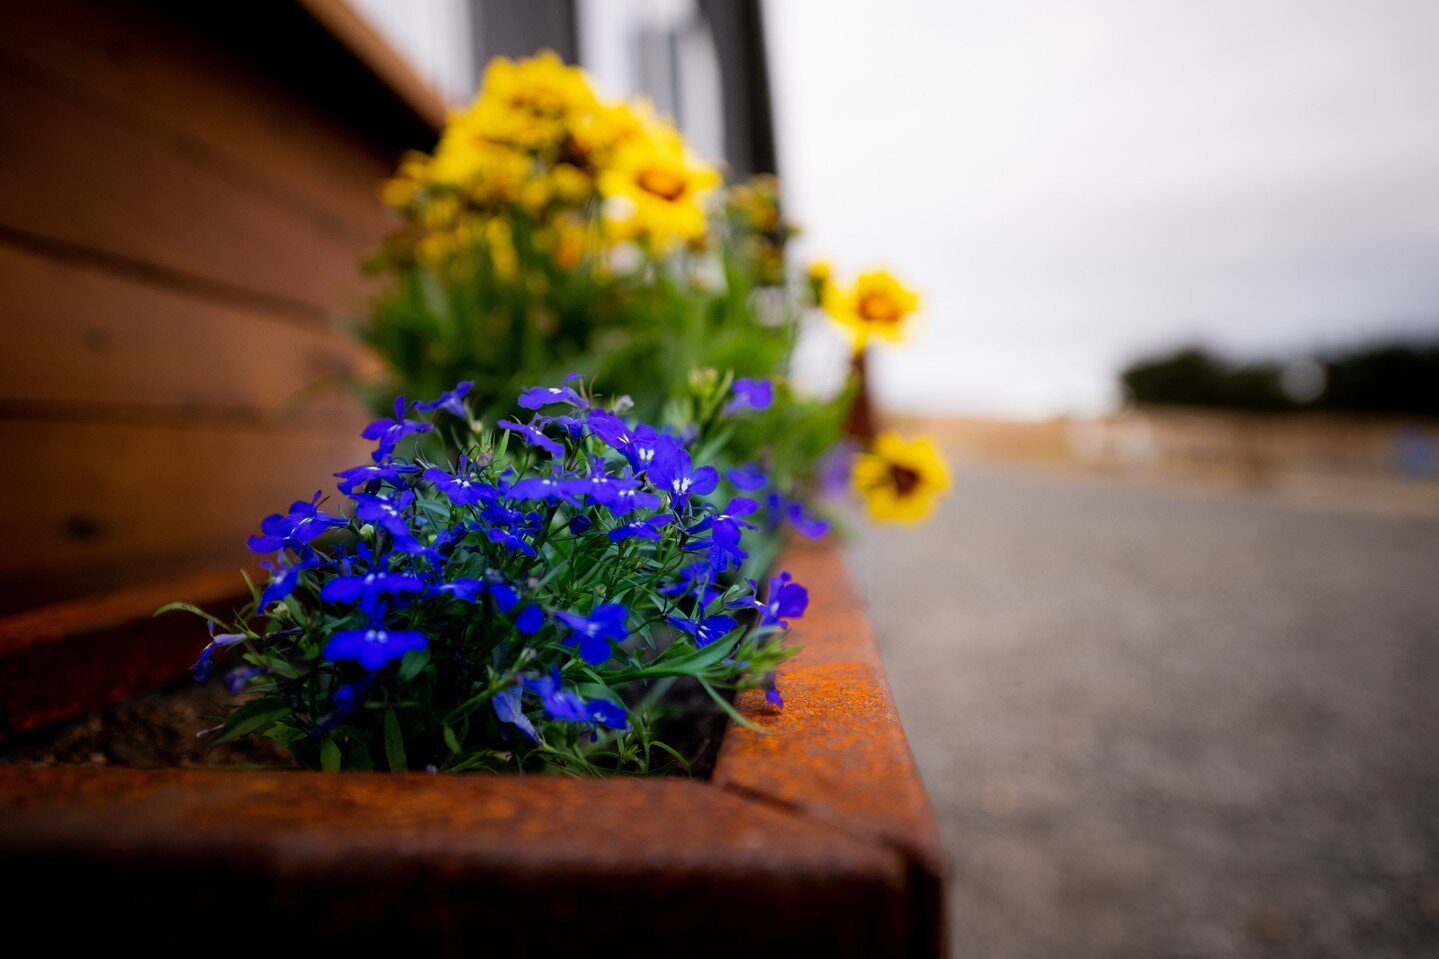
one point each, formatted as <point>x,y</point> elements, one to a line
<point>1165,723</point>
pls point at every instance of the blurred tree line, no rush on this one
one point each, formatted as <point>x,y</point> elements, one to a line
<point>1394,378</point>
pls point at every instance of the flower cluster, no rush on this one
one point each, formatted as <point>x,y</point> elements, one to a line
<point>538,138</point>
<point>513,599</point>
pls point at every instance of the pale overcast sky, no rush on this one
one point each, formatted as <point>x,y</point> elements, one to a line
<point>1071,183</point>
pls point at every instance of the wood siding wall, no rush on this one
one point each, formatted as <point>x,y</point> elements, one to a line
<point>179,234</point>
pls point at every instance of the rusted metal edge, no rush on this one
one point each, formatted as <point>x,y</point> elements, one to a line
<point>63,660</point>
<point>832,775</point>
<point>514,866</point>
<point>836,753</point>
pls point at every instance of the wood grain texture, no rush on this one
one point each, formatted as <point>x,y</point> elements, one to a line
<point>75,172</point>
<point>99,344</point>
<point>205,102</point>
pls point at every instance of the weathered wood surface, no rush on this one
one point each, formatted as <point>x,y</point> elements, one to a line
<point>182,219</point>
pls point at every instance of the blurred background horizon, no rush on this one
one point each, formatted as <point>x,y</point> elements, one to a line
<point>1071,187</point>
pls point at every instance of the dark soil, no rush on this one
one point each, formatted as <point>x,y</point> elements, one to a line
<point>173,727</point>
<point>169,727</point>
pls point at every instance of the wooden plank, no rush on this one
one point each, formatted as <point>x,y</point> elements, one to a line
<point>72,171</point>
<point>134,495</point>
<point>207,102</point>
<point>82,339</point>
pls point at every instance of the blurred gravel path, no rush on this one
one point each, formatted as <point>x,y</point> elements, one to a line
<point>1168,724</point>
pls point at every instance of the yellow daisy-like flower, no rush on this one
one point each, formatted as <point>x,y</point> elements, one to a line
<point>530,104</point>
<point>900,480</point>
<point>877,305</point>
<point>655,191</point>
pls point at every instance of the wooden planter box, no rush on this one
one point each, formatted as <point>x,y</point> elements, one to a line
<point>815,838</point>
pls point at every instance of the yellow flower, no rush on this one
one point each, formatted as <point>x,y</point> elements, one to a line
<point>530,104</point>
<point>487,173</point>
<point>877,305</point>
<point>655,191</point>
<point>820,272</point>
<point>900,480</point>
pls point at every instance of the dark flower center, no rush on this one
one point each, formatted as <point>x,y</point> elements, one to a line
<point>905,480</point>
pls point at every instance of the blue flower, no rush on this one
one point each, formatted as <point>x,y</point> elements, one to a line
<point>637,445</point>
<point>530,620</point>
<point>508,540</point>
<point>518,521</point>
<point>544,489</point>
<point>748,477</point>
<point>347,698</point>
<point>373,647</point>
<point>533,437</point>
<point>651,529</point>
<point>388,433</point>
<point>284,579</point>
<point>460,487</point>
<point>508,709</point>
<point>535,397</point>
<point>580,524</point>
<point>595,631</point>
<point>725,523</point>
<point>602,712</point>
<point>506,597</point>
<point>365,475</point>
<point>787,600</point>
<point>301,525</point>
<point>707,630</point>
<point>779,508</point>
<point>451,402</point>
<point>750,394</point>
<point>696,578</point>
<point>385,512</point>
<point>771,692</point>
<point>366,590</point>
<point>673,472</point>
<point>236,678</point>
<point>558,702</point>
<point>205,664</point>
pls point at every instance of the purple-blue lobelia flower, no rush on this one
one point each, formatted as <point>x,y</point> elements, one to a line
<point>595,632</point>
<point>750,394</point>
<point>365,476</point>
<point>724,524</point>
<point>536,397</point>
<point>555,488</point>
<point>697,579</point>
<point>388,513</point>
<point>374,646</point>
<point>205,664</point>
<point>387,433</point>
<point>786,600</point>
<point>706,630</point>
<point>461,487</point>
<point>508,709</point>
<point>284,578</point>
<point>747,478</point>
<point>451,401</point>
<point>533,437</point>
<point>558,702</point>
<point>295,529</point>
<point>650,528</point>
<point>673,472</point>
<point>510,541</point>
<point>470,590</point>
<point>368,589</point>
<point>637,444</point>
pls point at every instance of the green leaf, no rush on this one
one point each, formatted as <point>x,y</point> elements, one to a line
<point>414,661</point>
<point>394,743</point>
<point>452,743</point>
<point>189,608</point>
<point>256,714</point>
<point>329,755</point>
